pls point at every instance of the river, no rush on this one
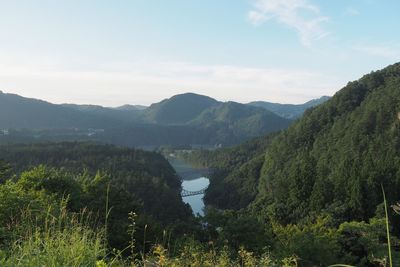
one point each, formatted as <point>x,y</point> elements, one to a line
<point>193,180</point>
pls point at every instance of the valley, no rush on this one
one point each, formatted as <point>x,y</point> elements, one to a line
<point>311,190</point>
<point>248,133</point>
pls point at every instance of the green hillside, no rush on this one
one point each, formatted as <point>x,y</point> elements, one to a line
<point>334,159</point>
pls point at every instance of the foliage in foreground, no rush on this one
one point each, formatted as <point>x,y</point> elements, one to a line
<point>66,239</point>
<point>60,240</point>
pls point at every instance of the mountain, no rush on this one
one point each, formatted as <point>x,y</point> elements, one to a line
<point>240,120</point>
<point>179,109</point>
<point>20,112</point>
<point>331,161</point>
<point>126,114</point>
<point>289,111</point>
<point>131,107</point>
<point>217,122</point>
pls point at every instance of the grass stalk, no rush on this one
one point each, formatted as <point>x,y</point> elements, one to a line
<point>387,228</point>
<point>107,212</point>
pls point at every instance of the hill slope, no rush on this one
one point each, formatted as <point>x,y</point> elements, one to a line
<point>240,121</point>
<point>333,159</point>
<point>179,109</point>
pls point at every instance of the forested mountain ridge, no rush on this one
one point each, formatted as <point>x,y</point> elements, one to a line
<point>338,154</point>
<point>334,159</point>
<point>289,111</point>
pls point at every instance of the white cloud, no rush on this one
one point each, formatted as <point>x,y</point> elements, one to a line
<point>299,15</point>
<point>351,11</point>
<point>121,83</point>
<point>385,51</point>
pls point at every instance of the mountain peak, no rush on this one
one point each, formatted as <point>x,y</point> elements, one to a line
<point>179,108</point>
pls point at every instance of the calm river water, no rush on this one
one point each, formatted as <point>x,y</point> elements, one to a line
<point>193,180</point>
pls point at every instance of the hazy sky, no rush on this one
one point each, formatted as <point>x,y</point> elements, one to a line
<point>141,51</point>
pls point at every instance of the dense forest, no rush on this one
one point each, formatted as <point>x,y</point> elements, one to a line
<point>332,162</point>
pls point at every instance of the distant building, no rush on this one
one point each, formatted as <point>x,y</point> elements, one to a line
<point>218,146</point>
<point>4,132</point>
<point>92,132</point>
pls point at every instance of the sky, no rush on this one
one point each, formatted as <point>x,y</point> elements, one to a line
<point>142,51</point>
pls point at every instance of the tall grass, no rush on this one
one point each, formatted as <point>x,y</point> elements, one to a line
<point>62,239</point>
<point>387,228</point>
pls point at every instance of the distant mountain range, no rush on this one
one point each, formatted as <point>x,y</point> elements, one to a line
<point>182,119</point>
<point>289,111</point>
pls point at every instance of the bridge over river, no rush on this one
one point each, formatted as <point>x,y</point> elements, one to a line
<point>187,193</point>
